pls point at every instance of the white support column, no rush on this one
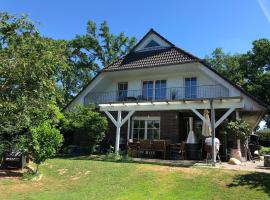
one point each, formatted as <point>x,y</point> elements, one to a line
<point>213,120</point>
<point>118,128</point>
<point>200,116</point>
<point>128,130</point>
<point>111,117</point>
<point>127,117</point>
<point>224,117</point>
<point>118,123</point>
<point>237,116</point>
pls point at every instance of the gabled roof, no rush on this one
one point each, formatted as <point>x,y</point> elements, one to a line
<point>154,57</point>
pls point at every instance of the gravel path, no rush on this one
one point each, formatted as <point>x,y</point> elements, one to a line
<point>247,166</point>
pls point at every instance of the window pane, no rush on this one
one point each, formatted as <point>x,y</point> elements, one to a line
<point>141,133</point>
<point>193,81</point>
<point>160,89</point>
<point>148,90</point>
<point>155,134</point>
<point>191,87</point>
<point>150,134</point>
<point>163,83</point>
<point>122,91</point>
<point>152,43</point>
<point>156,124</point>
<point>163,93</point>
<point>157,94</point>
<point>150,124</point>
<point>158,85</point>
<point>136,123</point>
<point>135,133</point>
<point>142,124</point>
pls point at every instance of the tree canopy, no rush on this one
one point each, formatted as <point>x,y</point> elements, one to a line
<point>28,69</point>
<point>87,54</point>
<point>250,70</point>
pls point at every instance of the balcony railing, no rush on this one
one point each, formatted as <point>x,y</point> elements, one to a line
<point>150,94</point>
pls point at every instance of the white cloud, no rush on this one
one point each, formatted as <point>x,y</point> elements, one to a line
<point>265,6</point>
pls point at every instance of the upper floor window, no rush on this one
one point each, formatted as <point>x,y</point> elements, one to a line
<point>122,90</point>
<point>160,89</point>
<point>152,43</point>
<point>148,90</point>
<point>154,90</point>
<point>191,87</point>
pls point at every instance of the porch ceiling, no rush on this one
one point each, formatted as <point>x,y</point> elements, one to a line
<point>188,104</point>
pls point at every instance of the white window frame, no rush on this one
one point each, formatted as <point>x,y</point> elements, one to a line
<point>148,118</point>
<point>190,87</point>
<point>154,86</point>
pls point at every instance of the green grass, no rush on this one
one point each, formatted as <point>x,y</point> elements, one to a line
<point>89,179</point>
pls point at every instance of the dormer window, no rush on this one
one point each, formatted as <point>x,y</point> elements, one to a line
<point>151,44</point>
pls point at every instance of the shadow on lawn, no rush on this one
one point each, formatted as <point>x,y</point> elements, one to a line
<point>104,158</point>
<point>254,180</point>
<point>7,173</point>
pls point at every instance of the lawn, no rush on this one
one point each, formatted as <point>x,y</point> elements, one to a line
<point>89,179</point>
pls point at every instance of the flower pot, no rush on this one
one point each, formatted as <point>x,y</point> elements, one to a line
<point>236,153</point>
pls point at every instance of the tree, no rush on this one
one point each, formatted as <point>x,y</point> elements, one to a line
<point>89,53</point>
<point>250,70</point>
<point>238,129</point>
<point>28,69</point>
<point>41,142</point>
<point>86,123</point>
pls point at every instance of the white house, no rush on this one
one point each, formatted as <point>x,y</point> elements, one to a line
<point>158,87</point>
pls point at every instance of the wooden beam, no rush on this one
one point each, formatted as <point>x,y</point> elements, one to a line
<point>224,117</point>
<point>111,117</point>
<point>171,106</point>
<point>200,116</point>
<point>127,117</point>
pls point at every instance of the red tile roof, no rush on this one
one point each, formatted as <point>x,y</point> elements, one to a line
<point>134,60</point>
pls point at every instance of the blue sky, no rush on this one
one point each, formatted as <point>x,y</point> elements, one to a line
<point>196,26</point>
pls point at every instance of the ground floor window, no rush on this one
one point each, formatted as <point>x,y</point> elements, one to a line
<point>146,128</point>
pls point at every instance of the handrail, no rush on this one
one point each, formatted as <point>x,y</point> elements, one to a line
<point>152,94</point>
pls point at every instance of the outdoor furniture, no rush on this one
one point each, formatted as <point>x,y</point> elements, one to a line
<point>193,151</point>
<point>13,159</point>
<point>208,151</point>
<point>267,160</point>
<point>132,148</point>
<point>177,150</point>
<point>159,146</point>
<point>145,147</point>
<point>130,99</point>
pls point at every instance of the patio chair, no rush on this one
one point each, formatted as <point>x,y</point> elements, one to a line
<point>159,146</point>
<point>145,147</point>
<point>178,149</point>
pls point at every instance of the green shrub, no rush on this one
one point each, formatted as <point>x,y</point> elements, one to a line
<point>264,134</point>
<point>238,129</point>
<point>41,142</point>
<point>87,123</point>
<point>264,150</point>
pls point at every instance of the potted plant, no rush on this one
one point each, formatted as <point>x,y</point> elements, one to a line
<point>237,130</point>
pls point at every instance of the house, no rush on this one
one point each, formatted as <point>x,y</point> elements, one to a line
<point>158,90</point>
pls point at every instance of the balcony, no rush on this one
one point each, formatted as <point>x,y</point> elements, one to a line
<point>160,94</point>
